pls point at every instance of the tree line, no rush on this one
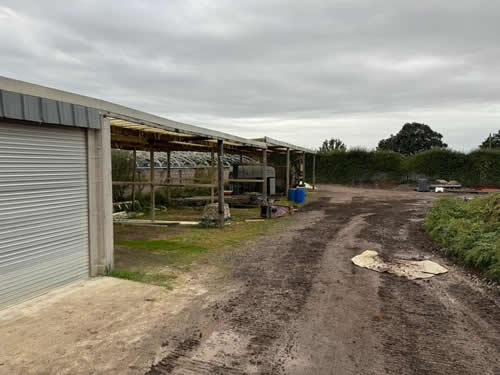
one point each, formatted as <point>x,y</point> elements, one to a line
<point>413,138</point>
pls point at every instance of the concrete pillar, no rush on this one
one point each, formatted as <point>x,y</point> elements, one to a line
<point>100,199</point>
<point>220,181</point>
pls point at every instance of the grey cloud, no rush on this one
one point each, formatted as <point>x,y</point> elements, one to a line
<point>291,69</point>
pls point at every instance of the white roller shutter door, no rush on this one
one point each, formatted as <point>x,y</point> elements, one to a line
<point>43,209</point>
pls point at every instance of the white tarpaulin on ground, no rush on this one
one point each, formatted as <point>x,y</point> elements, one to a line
<point>411,269</point>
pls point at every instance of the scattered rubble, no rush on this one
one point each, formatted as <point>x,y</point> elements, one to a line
<point>276,211</point>
<point>127,206</point>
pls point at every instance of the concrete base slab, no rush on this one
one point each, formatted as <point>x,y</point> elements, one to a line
<point>99,325</point>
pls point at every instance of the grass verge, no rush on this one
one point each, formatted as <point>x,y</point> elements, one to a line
<point>469,231</point>
<point>157,255</point>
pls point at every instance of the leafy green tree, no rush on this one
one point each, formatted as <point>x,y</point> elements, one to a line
<point>413,138</point>
<point>493,141</point>
<point>333,144</point>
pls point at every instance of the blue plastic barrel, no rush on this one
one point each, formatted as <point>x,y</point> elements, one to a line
<point>300,195</point>
<point>291,194</point>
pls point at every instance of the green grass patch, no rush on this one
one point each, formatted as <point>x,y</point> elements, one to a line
<point>154,278</point>
<point>157,254</point>
<point>469,231</point>
<point>161,245</point>
<point>128,275</point>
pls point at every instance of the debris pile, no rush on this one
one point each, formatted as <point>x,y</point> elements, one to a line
<point>210,215</point>
<point>411,269</point>
<point>275,211</point>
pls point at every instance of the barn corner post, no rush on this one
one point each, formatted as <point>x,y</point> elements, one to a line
<point>220,181</point>
<point>100,199</point>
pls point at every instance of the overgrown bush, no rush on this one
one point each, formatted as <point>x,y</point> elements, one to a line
<point>469,231</point>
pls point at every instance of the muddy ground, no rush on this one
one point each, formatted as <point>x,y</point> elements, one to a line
<point>288,303</point>
<point>293,303</point>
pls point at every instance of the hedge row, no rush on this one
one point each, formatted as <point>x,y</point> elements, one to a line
<point>478,168</point>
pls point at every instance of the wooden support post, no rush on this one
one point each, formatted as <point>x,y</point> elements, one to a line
<point>168,175</point>
<point>264,181</point>
<point>287,175</point>
<point>264,174</point>
<point>212,173</point>
<point>220,180</point>
<point>152,181</point>
<point>314,172</point>
<point>241,158</point>
<point>134,172</point>
<point>304,167</point>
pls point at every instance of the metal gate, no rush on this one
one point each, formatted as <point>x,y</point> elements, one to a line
<point>43,209</point>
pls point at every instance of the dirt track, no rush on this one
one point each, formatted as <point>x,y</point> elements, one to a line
<point>293,303</point>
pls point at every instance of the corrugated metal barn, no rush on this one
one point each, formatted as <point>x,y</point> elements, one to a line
<point>56,201</point>
<point>56,221</point>
<point>45,191</point>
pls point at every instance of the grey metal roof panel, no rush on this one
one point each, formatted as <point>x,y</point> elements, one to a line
<point>32,108</point>
<point>12,105</point>
<point>93,118</point>
<point>119,111</point>
<point>66,113</point>
<point>18,106</point>
<point>50,114</point>
<point>80,114</point>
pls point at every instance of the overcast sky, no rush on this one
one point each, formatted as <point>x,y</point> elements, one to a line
<point>296,70</point>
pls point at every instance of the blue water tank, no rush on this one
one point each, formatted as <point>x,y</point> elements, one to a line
<point>300,195</point>
<point>291,194</point>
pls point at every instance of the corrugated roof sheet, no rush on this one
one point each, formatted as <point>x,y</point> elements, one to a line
<point>17,106</point>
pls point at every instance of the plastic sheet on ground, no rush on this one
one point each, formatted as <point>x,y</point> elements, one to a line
<point>411,269</point>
